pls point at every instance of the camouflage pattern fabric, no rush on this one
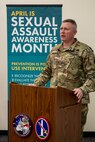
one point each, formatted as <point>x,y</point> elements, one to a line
<point>72,67</point>
<point>84,111</point>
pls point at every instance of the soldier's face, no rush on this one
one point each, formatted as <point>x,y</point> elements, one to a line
<point>67,31</point>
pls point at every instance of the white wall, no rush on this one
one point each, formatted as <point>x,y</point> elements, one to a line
<point>80,10</point>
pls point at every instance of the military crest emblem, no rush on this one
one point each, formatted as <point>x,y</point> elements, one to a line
<point>42,128</point>
<point>22,125</point>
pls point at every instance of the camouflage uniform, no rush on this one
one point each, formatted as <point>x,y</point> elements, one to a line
<point>71,68</point>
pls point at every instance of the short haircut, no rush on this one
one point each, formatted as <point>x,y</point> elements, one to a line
<point>70,21</point>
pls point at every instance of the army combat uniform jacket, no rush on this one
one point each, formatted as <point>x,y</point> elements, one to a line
<point>72,67</point>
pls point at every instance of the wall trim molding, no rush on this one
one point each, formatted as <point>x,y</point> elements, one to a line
<point>85,134</point>
<point>3,132</point>
<point>89,134</point>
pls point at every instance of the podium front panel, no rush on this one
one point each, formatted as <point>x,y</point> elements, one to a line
<point>57,105</point>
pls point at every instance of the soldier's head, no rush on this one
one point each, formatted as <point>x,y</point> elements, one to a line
<point>68,30</point>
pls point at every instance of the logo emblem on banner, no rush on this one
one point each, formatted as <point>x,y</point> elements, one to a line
<point>42,128</point>
<point>22,125</point>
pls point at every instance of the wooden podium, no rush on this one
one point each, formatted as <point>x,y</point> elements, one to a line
<point>58,105</point>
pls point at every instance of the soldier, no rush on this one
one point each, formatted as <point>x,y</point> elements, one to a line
<point>71,65</point>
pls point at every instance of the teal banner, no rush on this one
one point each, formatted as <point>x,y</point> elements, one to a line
<point>32,31</point>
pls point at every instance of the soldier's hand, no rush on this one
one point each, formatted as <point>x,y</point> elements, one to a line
<point>79,93</point>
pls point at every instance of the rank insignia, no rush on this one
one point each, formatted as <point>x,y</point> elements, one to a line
<point>23,125</point>
<point>42,128</point>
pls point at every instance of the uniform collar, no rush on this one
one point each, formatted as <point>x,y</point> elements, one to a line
<point>71,48</point>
